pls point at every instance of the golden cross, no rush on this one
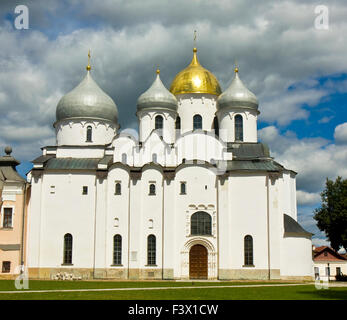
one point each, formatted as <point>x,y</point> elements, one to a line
<point>88,66</point>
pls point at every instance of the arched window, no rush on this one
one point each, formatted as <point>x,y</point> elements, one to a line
<point>118,188</point>
<point>124,158</point>
<point>216,126</point>
<point>248,247</point>
<point>151,250</point>
<point>183,188</point>
<point>178,123</point>
<point>197,122</point>
<point>200,224</point>
<point>154,158</point>
<point>152,189</point>
<point>117,249</point>
<point>238,128</point>
<point>89,134</point>
<point>159,122</point>
<point>67,249</point>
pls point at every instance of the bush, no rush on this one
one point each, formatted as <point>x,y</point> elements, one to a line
<point>341,277</point>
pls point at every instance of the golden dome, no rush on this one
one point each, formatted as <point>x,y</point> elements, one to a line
<point>195,79</point>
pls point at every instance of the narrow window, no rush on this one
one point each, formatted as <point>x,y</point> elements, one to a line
<point>6,266</point>
<point>316,273</point>
<point>216,126</point>
<point>178,123</point>
<point>118,189</point>
<point>151,250</point>
<point>117,250</point>
<point>183,188</point>
<point>338,271</point>
<point>67,249</point>
<point>197,122</point>
<point>200,224</point>
<point>159,122</point>
<point>248,248</point>
<point>7,223</point>
<point>238,128</point>
<point>152,189</point>
<point>154,158</point>
<point>89,134</point>
<point>124,158</point>
<point>85,190</point>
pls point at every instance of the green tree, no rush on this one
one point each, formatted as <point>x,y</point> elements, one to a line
<point>331,217</point>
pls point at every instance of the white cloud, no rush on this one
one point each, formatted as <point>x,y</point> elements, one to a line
<point>340,133</point>
<point>275,44</point>
<point>314,159</point>
<point>307,198</point>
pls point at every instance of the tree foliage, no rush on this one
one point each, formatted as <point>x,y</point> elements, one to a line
<point>331,217</point>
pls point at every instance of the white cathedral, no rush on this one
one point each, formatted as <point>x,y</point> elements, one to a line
<point>195,196</point>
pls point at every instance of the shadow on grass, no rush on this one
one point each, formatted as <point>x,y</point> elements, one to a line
<point>329,294</point>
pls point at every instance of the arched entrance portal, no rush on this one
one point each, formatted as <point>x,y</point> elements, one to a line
<point>198,262</point>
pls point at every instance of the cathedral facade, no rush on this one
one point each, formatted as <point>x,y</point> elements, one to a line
<point>194,196</point>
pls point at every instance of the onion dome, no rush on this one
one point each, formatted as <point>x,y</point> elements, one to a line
<point>157,97</point>
<point>237,95</point>
<point>87,100</point>
<point>195,79</point>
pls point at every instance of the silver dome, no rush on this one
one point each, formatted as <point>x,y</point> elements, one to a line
<point>237,95</point>
<point>87,100</point>
<point>157,97</point>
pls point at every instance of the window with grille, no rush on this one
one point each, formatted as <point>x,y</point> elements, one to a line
<point>152,189</point>
<point>7,222</point>
<point>248,248</point>
<point>89,134</point>
<point>200,224</point>
<point>151,250</point>
<point>238,128</point>
<point>197,122</point>
<point>117,249</point>
<point>6,266</point>
<point>159,122</point>
<point>67,249</point>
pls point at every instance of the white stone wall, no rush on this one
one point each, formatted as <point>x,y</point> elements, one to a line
<point>74,132</point>
<point>192,104</point>
<point>296,257</point>
<point>147,124</point>
<point>227,124</point>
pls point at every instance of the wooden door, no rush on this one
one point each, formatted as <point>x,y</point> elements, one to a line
<point>198,262</point>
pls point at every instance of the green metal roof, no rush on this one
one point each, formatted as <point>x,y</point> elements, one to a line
<point>72,164</point>
<point>248,150</point>
<point>254,165</point>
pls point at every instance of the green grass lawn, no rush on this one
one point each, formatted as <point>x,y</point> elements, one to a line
<point>306,292</point>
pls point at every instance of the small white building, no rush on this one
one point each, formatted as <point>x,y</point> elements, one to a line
<point>197,196</point>
<point>328,263</point>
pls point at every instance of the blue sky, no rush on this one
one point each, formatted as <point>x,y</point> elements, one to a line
<point>298,72</point>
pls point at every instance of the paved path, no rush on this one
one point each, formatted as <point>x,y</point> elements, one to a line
<point>169,288</point>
